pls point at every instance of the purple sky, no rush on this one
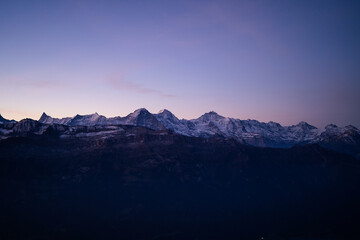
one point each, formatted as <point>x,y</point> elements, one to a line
<point>284,61</point>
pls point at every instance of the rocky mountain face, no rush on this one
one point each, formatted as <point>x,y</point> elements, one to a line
<point>250,132</point>
<point>143,118</point>
<point>49,120</point>
<point>128,182</point>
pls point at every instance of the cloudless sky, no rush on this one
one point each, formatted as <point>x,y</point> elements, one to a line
<point>283,61</point>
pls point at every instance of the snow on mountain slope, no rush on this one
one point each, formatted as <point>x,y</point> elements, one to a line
<point>170,121</point>
<point>142,117</point>
<point>209,124</point>
<point>343,139</point>
<point>247,131</point>
<point>302,132</point>
<point>251,132</point>
<point>206,125</point>
<point>88,120</point>
<point>349,134</point>
<point>27,125</point>
<point>78,120</point>
<point>49,120</point>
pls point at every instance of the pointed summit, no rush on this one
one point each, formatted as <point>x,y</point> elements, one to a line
<point>305,125</point>
<point>88,120</point>
<point>166,117</point>
<point>142,117</point>
<point>43,117</point>
<point>332,128</point>
<point>171,122</point>
<point>165,114</point>
<point>210,116</point>
<point>164,111</point>
<point>46,119</point>
<point>141,111</point>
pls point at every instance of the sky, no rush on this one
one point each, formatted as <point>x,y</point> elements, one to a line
<point>282,61</point>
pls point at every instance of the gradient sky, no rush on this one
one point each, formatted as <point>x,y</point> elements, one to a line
<point>284,61</point>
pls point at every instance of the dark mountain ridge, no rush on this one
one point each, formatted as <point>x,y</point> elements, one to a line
<point>131,182</point>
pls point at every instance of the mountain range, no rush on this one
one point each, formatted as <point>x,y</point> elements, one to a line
<point>154,176</point>
<point>250,132</point>
<point>131,182</point>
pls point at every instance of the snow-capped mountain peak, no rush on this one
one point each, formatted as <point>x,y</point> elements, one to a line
<point>171,122</point>
<point>303,124</point>
<point>164,111</point>
<point>45,118</point>
<point>209,124</point>
<point>332,128</point>
<point>138,112</point>
<point>44,115</point>
<point>166,114</point>
<point>142,117</point>
<point>251,132</point>
<point>88,120</point>
<point>211,116</point>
